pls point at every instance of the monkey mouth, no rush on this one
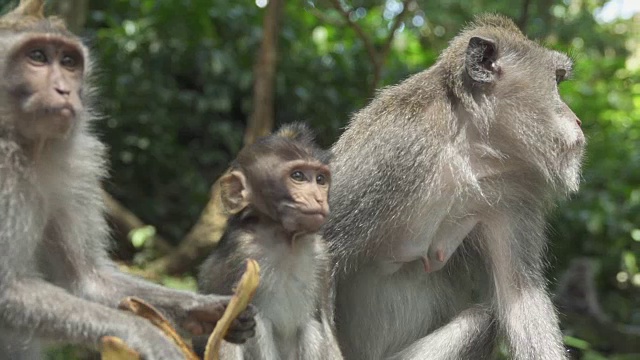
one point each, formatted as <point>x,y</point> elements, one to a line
<point>312,213</point>
<point>66,111</point>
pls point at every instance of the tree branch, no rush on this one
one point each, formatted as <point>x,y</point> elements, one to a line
<point>368,44</point>
<point>577,299</point>
<point>199,242</point>
<point>387,44</point>
<point>261,120</point>
<point>123,221</point>
<point>377,57</point>
<point>524,15</point>
<point>210,227</point>
<point>74,13</point>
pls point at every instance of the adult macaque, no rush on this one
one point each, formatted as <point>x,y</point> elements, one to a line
<point>56,282</point>
<point>277,191</point>
<point>454,169</point>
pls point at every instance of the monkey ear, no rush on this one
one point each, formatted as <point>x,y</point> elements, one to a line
<point>480,61</point>
<point>234,192</point>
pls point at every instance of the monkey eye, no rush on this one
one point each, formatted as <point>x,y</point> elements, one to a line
<point>37,56</point>
<point>297,175</point>
<point>321,179</point>
<point>561,75</point>
<point>69,61</point>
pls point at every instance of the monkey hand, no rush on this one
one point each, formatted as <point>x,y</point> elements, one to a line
<point>149,341</point>
<point>202,317</point>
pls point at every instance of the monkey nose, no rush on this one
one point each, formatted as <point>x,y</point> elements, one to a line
<point>62,90</point>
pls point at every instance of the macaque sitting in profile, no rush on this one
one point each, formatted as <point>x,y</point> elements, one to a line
<point>276,191</point>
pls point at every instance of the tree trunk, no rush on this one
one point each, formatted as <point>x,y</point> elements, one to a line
<point>264,72</point>
<point>203,237</point>
<point>122,222</point>
<point>207,231</point>
<point>74,13</point>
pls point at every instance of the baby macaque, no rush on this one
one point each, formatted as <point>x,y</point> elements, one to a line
<point>277,193</point>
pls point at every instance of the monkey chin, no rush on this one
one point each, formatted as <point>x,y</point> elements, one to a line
<point>49,124</point>
<point>61,124</point>
<point>307,223</point>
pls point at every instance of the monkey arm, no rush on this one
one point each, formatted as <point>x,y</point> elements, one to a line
<point>194,312</point>
<point>326,314</point>
<point>32,305</point>
<point>515,247</point>
<point>318,335</point>
<point>469,336</point>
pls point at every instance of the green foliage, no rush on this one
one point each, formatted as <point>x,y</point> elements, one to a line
<point>176,85</point>
<point>603,219</point>
<point>181,283</point>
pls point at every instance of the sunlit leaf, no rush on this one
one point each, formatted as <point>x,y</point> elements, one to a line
<point>576,343</point>
<point>141,235</point>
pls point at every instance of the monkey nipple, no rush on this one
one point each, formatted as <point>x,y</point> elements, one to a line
<point>426,264</point>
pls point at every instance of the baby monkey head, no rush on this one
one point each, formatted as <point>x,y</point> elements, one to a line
<point>284,178</point>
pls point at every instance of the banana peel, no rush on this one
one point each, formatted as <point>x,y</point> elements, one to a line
<point>148,312</point>
<point>113,348</point>
<point>243,294</point>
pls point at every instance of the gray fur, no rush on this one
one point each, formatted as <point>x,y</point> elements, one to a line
<point>292,298</point>
<point>443,162</point>
<point>56,281</point>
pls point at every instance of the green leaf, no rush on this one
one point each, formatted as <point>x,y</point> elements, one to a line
<point>141,235</point>
<point>576,343</point>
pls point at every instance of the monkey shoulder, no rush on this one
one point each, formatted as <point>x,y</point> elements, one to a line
<point>224,266</point>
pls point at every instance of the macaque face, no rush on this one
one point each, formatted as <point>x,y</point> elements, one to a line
<point>534,123</point>
<point>44,82</point>
<point>306,208</point>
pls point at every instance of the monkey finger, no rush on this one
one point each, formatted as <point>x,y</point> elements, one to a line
<point>239,337</point>
<point>248,313</point>
<point>207,328</point>
<point>246,318</point>
<point>243,324</point>
<point>208,313</point>
<point>193,327</point>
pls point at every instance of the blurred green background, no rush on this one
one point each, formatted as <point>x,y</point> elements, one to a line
<point>176,81</point>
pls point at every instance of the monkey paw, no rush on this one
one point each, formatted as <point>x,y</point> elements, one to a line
<point>202,318</point>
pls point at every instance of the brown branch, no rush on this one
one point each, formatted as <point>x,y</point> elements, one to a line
<point>368,44</point>
<point>261,120</point>
<point>377,58</point>
<point>324,18</point>
<point>387,44</point>
<point>210,227</point>
<point>524,15</point>
<point>123,221</point>
<point>74,13</point>
<point>199,242</point>
<point>577,299</point>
